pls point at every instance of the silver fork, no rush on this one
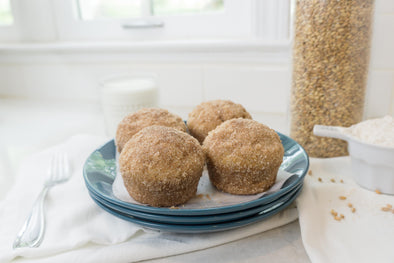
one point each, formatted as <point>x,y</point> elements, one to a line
<point>32,231</point>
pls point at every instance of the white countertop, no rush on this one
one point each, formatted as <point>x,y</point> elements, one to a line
<point>30,126</point>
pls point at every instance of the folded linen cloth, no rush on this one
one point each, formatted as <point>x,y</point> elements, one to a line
<point>80,231</point>
<point>365,234</point>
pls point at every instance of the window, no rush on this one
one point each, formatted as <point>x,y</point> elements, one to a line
<point>6,18</point>
<point>176,7</point>
<point>153,20</point>
<point>102,9</point>
<point>115,9</point>
<point>136,20</point>
<point>8,29</point>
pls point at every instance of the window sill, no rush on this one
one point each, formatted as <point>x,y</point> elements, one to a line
<point>217,50</point>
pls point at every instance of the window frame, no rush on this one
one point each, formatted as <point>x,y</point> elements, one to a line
<point>9,33</point>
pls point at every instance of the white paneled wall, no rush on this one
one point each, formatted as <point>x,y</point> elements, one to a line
<point>261,89</point>
<point>187,79</point>
<point>380,93</point>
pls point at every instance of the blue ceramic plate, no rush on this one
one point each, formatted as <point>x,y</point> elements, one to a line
<point>203,228</point>
<point>197,220</point>
<point>100,170</point>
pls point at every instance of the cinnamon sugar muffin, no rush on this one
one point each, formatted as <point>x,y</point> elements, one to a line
<point>208,115</point>
<point>133,123</point>
<point>243,156</point>
<point>161,166</point>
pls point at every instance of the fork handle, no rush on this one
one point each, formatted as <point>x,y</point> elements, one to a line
<point>32,232</point>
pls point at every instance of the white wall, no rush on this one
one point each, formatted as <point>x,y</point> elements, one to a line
<point>380,92</point>
<point>258,80</point>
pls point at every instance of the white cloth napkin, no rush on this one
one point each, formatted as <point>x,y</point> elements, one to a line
<point>365,235</point>
<point>79,231</point>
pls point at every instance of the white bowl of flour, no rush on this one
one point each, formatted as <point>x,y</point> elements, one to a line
<point>371,148</point>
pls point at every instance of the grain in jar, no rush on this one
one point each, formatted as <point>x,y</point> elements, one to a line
<point>331,53</point>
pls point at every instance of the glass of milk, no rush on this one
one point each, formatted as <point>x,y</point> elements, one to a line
<point>125,94</point>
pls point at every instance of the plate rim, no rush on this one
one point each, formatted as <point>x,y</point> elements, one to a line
<point>199,219</point>
<point>205,228</point>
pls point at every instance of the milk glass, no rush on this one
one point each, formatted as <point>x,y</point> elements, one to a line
<point>122,95</point>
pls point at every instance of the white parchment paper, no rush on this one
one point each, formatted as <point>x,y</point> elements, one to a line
<point>207,195</point>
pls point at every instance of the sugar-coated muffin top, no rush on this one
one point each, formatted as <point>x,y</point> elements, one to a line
<point>208,115</point>
<point>134,122</point>
<point>243,143</point>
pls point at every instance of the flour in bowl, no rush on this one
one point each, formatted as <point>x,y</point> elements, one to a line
<point>375,131</point>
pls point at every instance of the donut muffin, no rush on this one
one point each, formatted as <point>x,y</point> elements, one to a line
<point>243,156</point>
<point>161,166</point>
<point>208,115</point>
<point>133,123</point>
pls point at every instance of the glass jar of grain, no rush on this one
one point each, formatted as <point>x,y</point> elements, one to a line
<point>330,66</point>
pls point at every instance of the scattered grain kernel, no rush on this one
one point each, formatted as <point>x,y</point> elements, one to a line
<point>378,192</point>
<point>353,210</point>
<point>333,212</point>
<point>208,196</point>
<point>388,208</point>
<point>342,197</point>
<point>350,205</point>
<point>337,218</point>
<point>341,181</point>
<point>310,172</point>
<point>320,180</point>
<point>342,216</point>
<point>332,180</point>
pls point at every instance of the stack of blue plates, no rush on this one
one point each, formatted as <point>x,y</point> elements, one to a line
<point>100,170</point>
